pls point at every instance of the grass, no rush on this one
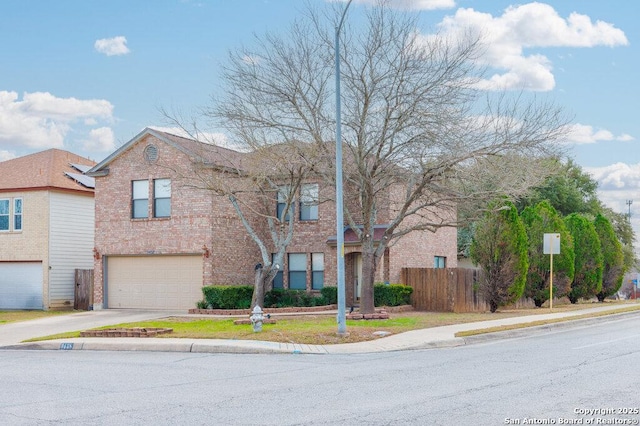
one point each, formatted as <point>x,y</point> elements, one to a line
<point>15,316</point>
<point>542,322</point>
<point>321,329</point>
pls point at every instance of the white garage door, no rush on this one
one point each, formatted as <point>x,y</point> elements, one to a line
<point>154,282</point>
<point>21,285</point>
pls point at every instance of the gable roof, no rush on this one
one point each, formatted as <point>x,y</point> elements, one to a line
<point>50,169</point>
<point>208,154</point>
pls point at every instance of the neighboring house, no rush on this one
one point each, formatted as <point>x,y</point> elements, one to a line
<point>46,228</point>
<point>159,239</point>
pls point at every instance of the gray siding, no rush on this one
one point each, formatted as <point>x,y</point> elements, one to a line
<point>71,231</point>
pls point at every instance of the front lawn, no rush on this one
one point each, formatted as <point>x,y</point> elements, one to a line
<point>14,316</point>
<point>319,329</point>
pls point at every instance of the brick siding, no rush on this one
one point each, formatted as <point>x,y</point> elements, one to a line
<point>198,218</point>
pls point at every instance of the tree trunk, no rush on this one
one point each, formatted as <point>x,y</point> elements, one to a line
<point>262,284</point>
<point>259,288</point>
<point>369,263</point>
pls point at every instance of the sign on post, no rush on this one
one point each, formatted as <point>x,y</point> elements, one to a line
<point>551,246</point>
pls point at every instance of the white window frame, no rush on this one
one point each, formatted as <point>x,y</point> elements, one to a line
<point>7,214</point>
<point>283,194</point>
<point>309,197</point>
<point>17,212</point>
<point>295,260</point>
<point>317,267</point>
<point>162,187</point>
<point>138,193</point>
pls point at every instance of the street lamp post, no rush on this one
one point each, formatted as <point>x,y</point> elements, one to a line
<point>342,323</point>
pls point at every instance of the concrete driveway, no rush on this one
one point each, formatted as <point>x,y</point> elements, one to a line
<point>16,332</point>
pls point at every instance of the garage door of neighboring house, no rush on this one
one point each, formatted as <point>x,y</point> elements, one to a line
<point>21,285</point>
<point>154,282</point>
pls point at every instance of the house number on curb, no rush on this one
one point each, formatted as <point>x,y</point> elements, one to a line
<point>66,346</point>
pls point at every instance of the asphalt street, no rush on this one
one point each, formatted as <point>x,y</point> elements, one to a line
<point>583,373</point>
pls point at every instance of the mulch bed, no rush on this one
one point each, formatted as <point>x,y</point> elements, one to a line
<point>269,310</point>
<point>126,332</point>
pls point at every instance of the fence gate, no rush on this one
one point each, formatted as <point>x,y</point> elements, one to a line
<point>444,290</point>
<point>84,289</point>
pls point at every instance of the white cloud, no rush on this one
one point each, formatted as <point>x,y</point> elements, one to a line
<point>44,104</point>
<point>41,120</point>
<point>409,4</point>
<point>618,183</point>
<point>616,177</point>
<point>584,134</point>
<point>6,155</point>
<point>100,139</point>
<point>530,26</point>
<point>112,46</point>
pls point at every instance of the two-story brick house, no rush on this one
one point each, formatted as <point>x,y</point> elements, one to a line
<point>159,239</point>
<point>46,228</point>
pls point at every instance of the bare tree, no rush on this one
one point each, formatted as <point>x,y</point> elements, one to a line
<point>254,181</point>
<point>420,139</point>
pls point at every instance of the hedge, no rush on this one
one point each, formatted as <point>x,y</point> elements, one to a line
<point>392,294</point>
<point>239,297</point>
<point>227,297</point>
<point>330,294</point>
<point>281,298</point>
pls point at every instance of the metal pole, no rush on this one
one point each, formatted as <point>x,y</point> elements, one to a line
<point>342,323</point>
<point>551,280</point>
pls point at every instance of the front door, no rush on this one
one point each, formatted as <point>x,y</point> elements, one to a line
<point>357,275</point>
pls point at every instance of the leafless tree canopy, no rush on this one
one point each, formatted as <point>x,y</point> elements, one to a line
<point>414,122</point>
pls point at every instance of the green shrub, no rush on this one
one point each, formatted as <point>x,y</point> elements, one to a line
<point>276,298</point>
<point>392,294</point>
<point>202,304</point>
<point>281,298</point>
<point>319,301</point>
<point>330,295</point>
<point>228,297</point>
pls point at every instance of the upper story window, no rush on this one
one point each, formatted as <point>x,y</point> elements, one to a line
<point>140,199</point>
<point>309,195</point>
<point>4,214</point>
<point>162,198</point>
<point>17,214</point>
<point>10,214</point>
<point>283,195</point>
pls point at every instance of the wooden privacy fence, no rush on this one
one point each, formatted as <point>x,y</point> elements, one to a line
<point>444,290</point>
<point>84,289</point>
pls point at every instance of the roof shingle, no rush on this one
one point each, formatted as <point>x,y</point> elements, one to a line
<point>45,169</point>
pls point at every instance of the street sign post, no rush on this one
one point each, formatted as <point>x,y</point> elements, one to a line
<point>551,246</point>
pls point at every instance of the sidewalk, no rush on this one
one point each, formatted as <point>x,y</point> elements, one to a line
<point>416,339</point>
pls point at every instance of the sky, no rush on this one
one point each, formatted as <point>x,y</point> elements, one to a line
<point>87,76</point>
